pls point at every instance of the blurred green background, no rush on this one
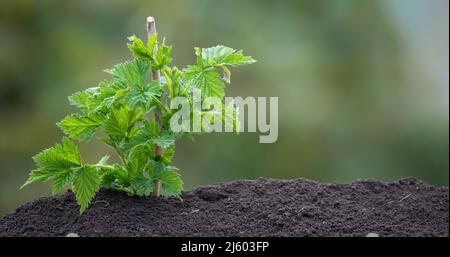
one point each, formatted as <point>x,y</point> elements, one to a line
<point>362,85</point>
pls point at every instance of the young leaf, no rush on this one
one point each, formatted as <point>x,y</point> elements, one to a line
<point>146,133</point>
<point>113,178</point>
<point>86,183</point>
<point>108,179</point>
<point>165,140</point>
<point>120,122</point>
<point>138,160</point>
<point>207,80</point>
<point>55,161</point>
<point>80,99</point>
<point>150,129</point>
<point>143,97</point>
<point>143,138</point>
<point>58,157</point>
<point>143,184</point>
<point>80,127</point>
<point>173,80</point>
<point>162,57</point>
<point>61,179</point>
<point>171,183</point>
<point>131,72</point>
<point>168,155</point>
<point>108,93</point>
<point>38,175</point>
<point>138,49</point>
<point>151,42</point>
<point>221,55</point>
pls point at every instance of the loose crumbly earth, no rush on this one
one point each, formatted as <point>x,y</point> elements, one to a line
<point>262,207</point>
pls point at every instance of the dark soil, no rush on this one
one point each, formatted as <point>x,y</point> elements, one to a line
<point>263,207</point>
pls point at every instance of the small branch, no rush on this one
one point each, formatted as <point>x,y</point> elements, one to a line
<point>405,197</point>
<point>160,104</point>
<point>159,152</point>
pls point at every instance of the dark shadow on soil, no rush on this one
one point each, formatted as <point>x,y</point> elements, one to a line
<point>263,207</point>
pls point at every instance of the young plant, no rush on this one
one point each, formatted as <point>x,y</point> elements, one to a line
<point>131,113</point>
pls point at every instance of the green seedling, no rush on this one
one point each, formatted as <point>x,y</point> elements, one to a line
<point>131,113</point>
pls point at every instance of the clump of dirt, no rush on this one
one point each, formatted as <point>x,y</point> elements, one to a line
<point>263,207</point>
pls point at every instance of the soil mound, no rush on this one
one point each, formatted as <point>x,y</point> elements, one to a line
<point>263,207</point>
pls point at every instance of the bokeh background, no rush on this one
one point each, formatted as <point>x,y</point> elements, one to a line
<point>362,85</point>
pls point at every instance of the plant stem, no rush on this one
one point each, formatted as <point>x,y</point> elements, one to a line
<point>159,152</point>
<point>160,104</point>
<point>104,166</point>
<point>120,154</point>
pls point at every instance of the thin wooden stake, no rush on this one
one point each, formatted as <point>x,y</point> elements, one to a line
<point>159,152</point>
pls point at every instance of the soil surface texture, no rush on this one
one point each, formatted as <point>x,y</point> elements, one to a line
<point>263,207</point>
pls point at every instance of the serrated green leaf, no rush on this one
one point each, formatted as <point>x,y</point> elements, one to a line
<point>143,97</point>
<point>207,80</point>
<point>97,99</point>
<point>58,157</point>
<point>138,49</point>
<point>120,122</point>
<point>80,127</point>
<point>113,178</point>
<point>86,183</point>
<point>152,41</point>
<point>38,175</point>
<point>162,57</point>
<point>171,183</point>
<point>86,99</point>
<point>80,99</point>
<point>138,159</point>
<point>173,80</point>
<point>108,179</point>
<point>168,155</point>
<point>143,185</point>
<point>221,55</point>
<point>147,132</point>
<point>133,72</point>
<point>61,179</point>
<point>54,161</point>
<point>70,151</point>
<point>109,92</point>
<point>150,129</point>
<point>143,138</point>
<point>165,140</point>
